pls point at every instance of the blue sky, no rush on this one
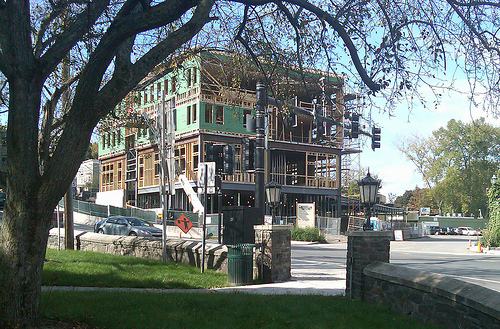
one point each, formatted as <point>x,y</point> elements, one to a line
<point>388,163</point>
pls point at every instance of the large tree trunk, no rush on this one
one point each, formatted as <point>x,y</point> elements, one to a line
<point>26,218</point>
<point>22,255</point>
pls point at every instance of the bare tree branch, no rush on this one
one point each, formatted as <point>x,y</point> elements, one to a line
<point>74,32</point>
<point>107,97</point>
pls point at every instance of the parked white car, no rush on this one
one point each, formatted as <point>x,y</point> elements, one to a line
<point>467,230</point>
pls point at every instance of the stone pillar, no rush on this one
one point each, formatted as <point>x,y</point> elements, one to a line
<point>364,248</point>
<point>273,254</point>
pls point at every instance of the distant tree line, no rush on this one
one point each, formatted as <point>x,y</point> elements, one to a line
<point>456,163</point>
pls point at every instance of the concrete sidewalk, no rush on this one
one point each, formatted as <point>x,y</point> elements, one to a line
<point>333,284</point>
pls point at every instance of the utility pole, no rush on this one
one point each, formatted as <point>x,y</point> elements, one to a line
<point>69,235</point>
<point>260,107</point>
<point>166,138</point>
<point>163,167</point>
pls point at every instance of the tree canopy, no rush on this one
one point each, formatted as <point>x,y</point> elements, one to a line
<point>65,64</point>
<point>457,162</point>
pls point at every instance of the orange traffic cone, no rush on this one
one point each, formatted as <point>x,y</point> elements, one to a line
<point>479,249</point>
<point>469,244</point>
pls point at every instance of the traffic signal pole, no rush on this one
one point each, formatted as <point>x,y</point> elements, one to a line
<point>260,108</point>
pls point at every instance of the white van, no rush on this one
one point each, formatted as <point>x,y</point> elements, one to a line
<point>464,230</point>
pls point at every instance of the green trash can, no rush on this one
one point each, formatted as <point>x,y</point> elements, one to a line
<point>240,264</point>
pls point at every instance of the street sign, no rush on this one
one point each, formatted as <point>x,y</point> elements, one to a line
<point>183,223</point>
<point>206,168</point>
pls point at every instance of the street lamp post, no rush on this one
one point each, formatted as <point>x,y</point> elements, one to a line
<point>273,193</point>
<point>368,189</point>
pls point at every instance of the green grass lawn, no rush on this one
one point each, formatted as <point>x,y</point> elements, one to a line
<point>92,269</point>
<point>218,310</point>
<point>120,309</point>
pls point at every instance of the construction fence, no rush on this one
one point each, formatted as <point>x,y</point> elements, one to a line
<point>97,210</point>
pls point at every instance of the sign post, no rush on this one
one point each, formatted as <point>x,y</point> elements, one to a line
<point>206,184</point>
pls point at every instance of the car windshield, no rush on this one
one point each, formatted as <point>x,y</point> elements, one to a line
<point>137,222</point>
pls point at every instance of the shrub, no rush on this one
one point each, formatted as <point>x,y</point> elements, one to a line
<point>491,238</point>
<point>307,234</point>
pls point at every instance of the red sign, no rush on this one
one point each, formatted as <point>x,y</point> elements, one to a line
<point>183,223</point>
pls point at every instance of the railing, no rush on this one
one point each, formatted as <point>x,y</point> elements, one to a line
<point>96,210</point>
<point>328,225</point>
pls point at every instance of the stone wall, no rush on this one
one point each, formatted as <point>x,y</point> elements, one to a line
<point>177,250</point>
<point>432,297</point>
<point>273,254</point>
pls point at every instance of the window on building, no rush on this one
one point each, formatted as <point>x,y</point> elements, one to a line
<point>193,115</point>
<point>103,139</point>
<point>219,115</point>
<point>145,96</point>
<point>152,93</point>
<point>194,76</point>
<point>188,77</point>
<point>113,139</point>
<point>108,139</point>
<point>165,86</point>
<point>172,85</point>
<point>158,90</point>
<point>188,114</point>
<point>245,113</point>
<point>174,114</point>
<point>119,135</point>
<point>209,113</point>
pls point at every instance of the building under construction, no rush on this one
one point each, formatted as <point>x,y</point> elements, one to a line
<point>213,98</point>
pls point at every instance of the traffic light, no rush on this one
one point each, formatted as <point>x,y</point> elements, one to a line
<point>318,131</point>
<point>228,153</point>
<point>318,127</point>
<point>247,154</point>
<point>219,161</point>
<point>209,152</point>
<point>375,138</point>
<point>290,120</point>
<point>354,125</point>
<point>213,154</point>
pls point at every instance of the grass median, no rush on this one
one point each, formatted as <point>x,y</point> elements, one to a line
<point>204,309</point>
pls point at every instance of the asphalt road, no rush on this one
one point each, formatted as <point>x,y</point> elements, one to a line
<point>447,255</point>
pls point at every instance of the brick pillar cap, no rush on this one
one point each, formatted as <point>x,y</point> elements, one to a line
<point>273,227</point>
<point>369,234</point>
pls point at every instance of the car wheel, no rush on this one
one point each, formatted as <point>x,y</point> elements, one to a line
<point>100,231</point>
<point>132,233</point>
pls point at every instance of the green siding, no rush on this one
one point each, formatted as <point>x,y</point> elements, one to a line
<point>233,118</point>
